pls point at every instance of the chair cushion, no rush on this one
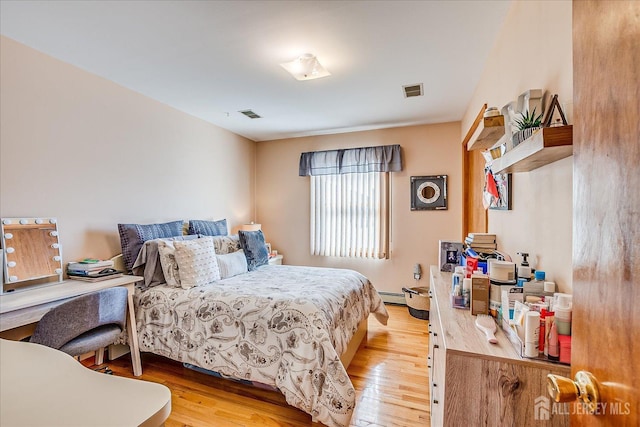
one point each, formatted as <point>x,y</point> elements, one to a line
<point>75,317</point>
<point>92,340</point>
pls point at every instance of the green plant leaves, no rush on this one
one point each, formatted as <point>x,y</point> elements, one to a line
<point>527,120</point>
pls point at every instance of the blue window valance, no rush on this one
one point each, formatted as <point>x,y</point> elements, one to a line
<point>384,158</point>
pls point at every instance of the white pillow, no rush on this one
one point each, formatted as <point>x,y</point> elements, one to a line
<point>197,262</point>
<point>167,251</point>
<point>232,264</point>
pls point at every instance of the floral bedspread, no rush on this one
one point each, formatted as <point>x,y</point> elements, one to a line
<point>279,325</point>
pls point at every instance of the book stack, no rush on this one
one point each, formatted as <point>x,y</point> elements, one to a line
<point>92,270</point>
<point>481,242</point>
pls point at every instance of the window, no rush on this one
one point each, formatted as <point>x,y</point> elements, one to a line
<point>350,200</point>
<point>349,215</point>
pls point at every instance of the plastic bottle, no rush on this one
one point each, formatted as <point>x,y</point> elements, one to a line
<point>563,318</point>
<point>466,292</point>
<point>543,314</point>
<point>554,349</point>
<point>524,270</point>
<point>531,333</point>
<point>456,277</point>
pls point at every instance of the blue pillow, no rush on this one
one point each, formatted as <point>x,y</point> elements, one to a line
<point>208,228</point>
<point>132,237</point>
<point>255,250</point>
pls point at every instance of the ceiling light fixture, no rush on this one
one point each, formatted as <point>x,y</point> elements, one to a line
<point>306,67</point>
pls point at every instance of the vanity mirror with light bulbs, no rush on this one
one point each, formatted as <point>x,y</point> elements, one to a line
<point>31,252</point>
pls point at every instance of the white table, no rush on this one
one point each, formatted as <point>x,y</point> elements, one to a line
<point>28,306</point>
<point>40,386</point>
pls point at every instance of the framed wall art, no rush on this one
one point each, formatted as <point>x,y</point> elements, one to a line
<point>503,187</point>
<point>429,192</point>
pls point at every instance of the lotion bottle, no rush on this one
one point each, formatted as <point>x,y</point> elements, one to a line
<point>524,270</point>
<point>554,350</point>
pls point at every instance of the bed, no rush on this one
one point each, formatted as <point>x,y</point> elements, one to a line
<point>279,325</point>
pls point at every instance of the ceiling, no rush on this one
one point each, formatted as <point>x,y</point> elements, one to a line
<point>212,59</point>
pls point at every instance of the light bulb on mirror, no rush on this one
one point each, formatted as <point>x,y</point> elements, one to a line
<point>8,236</point>
<point>6,221</point>
<point>38,221</point>
<point>55,246</point>
<point>24,222</point>
<point>57,258</point>
<point>11,264</point>
<point>52,220</point>
<point>10,250</point>
<point>13,278</point>
<point>58,271</point>
<point>53,234</point>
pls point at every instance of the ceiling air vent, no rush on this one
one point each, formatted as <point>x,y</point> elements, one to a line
<point>412,90</point>
<point>250,114</point>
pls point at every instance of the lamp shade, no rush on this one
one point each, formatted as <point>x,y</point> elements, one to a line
<point>306,67</point>
<point>251,227</point>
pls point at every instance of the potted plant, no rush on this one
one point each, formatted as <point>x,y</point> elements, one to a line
<point>527,124</point>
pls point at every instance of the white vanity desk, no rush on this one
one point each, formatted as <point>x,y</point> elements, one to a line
<point>40,386</point>
<point>28,306</point>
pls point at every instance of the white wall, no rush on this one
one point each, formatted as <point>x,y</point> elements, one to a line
<point>534,51</point>
<point>92,153</point>
<point>283,200</point>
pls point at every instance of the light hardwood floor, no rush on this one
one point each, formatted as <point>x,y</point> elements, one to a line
<point>389,375</point>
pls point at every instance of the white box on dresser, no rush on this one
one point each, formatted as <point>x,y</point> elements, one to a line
<point>473,382</point>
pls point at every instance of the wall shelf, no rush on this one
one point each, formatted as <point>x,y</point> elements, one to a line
<point>543,147</point>
<point>488,132</point>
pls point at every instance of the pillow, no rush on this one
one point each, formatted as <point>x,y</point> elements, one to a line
<point>226,244</point>
<point>255,250</point>
<point>149,262</point>
<point>132,236</point>
<point>208,228</point>
<point>232,264</point>
<point>197,262</point>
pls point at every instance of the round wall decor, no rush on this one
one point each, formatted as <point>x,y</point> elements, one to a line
<point>428,192</point>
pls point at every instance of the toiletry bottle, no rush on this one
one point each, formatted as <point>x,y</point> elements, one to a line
<point>548,318</point>
<point>554,349</point>
<point>543,314</point>
<point>466,292</point>
<point>524,270</point>
<point>456,277</point>
<point>531,333</point>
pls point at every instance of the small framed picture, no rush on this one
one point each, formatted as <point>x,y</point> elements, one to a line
<point>450,255</point>
<point>503,188</point>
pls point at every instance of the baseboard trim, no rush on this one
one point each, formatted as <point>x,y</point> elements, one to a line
<point>393,298</point>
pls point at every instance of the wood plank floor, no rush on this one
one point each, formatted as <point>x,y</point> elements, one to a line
<point>389,375</point>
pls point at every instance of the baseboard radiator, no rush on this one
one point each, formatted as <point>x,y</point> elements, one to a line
<point>393,298</point>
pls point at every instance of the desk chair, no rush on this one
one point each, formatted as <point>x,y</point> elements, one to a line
<point>87,323</point>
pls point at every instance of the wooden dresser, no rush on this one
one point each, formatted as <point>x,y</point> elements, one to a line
<point>477,383</point>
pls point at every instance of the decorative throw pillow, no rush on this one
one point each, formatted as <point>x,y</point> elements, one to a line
<point>149,263</point>
<point>208,228</point>
<point>226,244</point>
<point>197,262</point>
<point>232,264</point>
<point>255,250</point>
<point>132,236</point>
<point>167,254</point>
